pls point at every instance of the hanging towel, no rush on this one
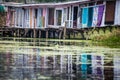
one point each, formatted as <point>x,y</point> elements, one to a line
<point>8,18</point>
<point>40,22</point>
<point>44,12</point>
<point>90,17</point>
<point>95,16</point>
<point>84,17</point>
<point>100,15</point>
<point>117,12</point>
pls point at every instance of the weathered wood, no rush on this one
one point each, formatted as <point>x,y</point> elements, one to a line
<point>18,33</point>
<point>82,34</point>
<point>34,33</point>
<point>60,34</point>
<point>39,33</point>
<point>46,34</point>
<point>31,33</point>
<point>34,28</point>
<point>64,32</point>
<point>68,35</point>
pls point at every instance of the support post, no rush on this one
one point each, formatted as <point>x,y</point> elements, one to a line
<point>34,28</point>
<point>60,34</point>
<point>64,33</point>
<point>39,33</point>
<point>46,34</point>
<point>18,33</point>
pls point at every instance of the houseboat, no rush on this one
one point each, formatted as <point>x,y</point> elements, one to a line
<point>76,14</point>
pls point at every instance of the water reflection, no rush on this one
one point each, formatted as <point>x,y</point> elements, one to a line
<point>26,63</point>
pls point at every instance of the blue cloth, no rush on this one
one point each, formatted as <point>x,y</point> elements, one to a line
<point>84,17</point>
<point>84,67</point>
<point>84,62</point>
<point>84,58</point>
<point>90,16</point>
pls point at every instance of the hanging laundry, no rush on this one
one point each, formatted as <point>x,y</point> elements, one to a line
<point>90,16</point>
<point>100,15</point>
<point>40,22</point>
<point>117,12</point>
<point>84,17</point>
<point>8,18</point>
<point>27,18</point>
<point>39,19</point>
<point>44,12</point>
<point>43,18</point>
<point>2,8</point>
<point>95,16</point>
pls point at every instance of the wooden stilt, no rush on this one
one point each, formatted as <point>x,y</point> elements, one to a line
<point>46,34</point>
<point>34,28</point>
<point>31,34</point>
<point>25,33</point>
<point>34,33</point>
<point>74,34</point>
<point>18,33</point>
<point>60,34</point>
<point>69,35</point>
<point>39,33</point>
<point>64,33</point>
<point>54,34</point>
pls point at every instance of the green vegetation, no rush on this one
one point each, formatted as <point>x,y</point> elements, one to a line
<point>111,39</point>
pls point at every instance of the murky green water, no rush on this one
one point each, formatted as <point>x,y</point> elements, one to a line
<point>30,59</point>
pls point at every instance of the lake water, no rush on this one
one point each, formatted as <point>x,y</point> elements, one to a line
<point>40,59</point>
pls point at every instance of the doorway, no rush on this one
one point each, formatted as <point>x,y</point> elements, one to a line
<point>75,14</point>
<point>58,17</point>
<point>51,16</point>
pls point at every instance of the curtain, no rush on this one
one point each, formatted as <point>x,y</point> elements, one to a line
<point>84,17</point>
<point>117,13</point>
<point>8,18</point>
<point>95,14</point>
<point>39,18</point>
<point>100,15</point>
<point>90,16</point>
<point>27,18</point>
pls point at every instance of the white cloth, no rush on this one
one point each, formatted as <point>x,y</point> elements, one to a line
<point>117,13</point>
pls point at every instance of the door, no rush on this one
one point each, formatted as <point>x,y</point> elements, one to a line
<point>58,17</point>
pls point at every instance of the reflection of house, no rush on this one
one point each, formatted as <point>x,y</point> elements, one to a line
<point>91,64</point>
<point>116,67</point>
<point>78,14</point>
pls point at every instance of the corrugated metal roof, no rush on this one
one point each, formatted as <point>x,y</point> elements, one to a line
<point>45,4</point>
